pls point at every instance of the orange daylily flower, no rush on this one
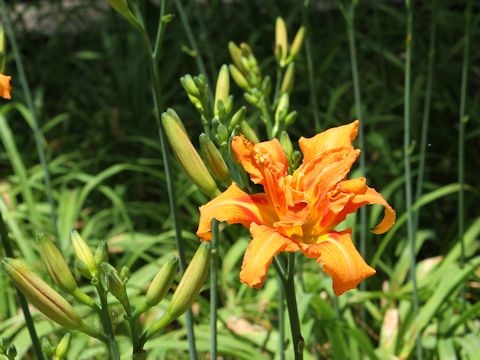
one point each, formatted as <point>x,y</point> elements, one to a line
<point>5,86</point>
<point>299,212</point>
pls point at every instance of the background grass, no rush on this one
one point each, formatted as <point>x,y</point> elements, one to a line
<point>90,84</point>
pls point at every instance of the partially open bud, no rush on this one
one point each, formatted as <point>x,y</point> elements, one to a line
<point>238,77</point>
<point>162,282</point>
<point>186,154</point>
<point>41,295</point>
<point>288,79</point>
<point>191,282</point>
<point>214,160</point>
<point>281,41</point>
<point>63,347</point>
<point>223,88</point>
<point>55,264</point>
<point>297,43</point>
<point>84,254</point>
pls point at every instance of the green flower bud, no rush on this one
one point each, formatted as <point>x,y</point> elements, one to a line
<point>101,254</point>
<point>125,274</point>
<point>236,55</point>
<point>291,117</point>
<point>288,79</point>
<point>63,347</point>
<point>11,352</point>
<point>286,144</point>
<point>214,160</point>
<point>189,85</point>
<point>55,264</point>
<point>112,281</point>
<point>41,295</point>
<point>47,348</point>
<point>186,154</point>
<point>191,282</point>
<point>281,41</point>
<point>84,254</point>
<point>121,7</point>
<point>223,88</point>
<point>238,117</point>
<point>248,132</point>
<point>238,77</point>
<point>2,50</point>
<point>282,108</point>
<point>162,282</point>
<point>297,43</point>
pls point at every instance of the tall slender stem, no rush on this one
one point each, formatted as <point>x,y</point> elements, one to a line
<point>157,100</point>
<point>311,73</point>
<point>281,318</point>
<point>36,127</point>
<point>213,291</point>
<point>37,347</point>
<point>107,323</point>
<point>406,157</point>
<point>350,19</point>
<point>289,285</point>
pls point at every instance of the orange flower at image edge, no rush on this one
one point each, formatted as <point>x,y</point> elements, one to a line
<point>5,86</point>
<point>298,212</point>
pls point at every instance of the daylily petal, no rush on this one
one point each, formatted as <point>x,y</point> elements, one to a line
<point>340,136</point>
<point>265,244</point>
<point>235,207</point>
<point>341,260</point>
<point>257,158</point>
<point>5,86</point>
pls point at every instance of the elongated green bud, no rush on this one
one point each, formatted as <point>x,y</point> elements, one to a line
<point>238,117</point>
<point>282,108</point>
<point>55,264</point>
<point>189,85</point>
<point>112,281</point>
<point>162,282</point>
<point>236,55</point>
<point>47,348</point>
<point>3,50</point>
<point>191,282</point>
<point>288,79</point>
<point>297,43</point>
<point>186,154</point>
<point>281,41</point>
<point>84,253</point>
<point>249,133</point>
<point>41,295</point>
<point>223,88</point>
<point>63,347</point>
<point>214,160</point>
<point>121,7</point>
<point>101,254</point>
<point>238,77</point>
<point>291,117</point>
<point>286,144</point>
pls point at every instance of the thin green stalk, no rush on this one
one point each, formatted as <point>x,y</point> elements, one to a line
<point>107,323</point>
<point>463,118</point>
<point>281,318</point>
<point>426,111</point>
<point>157,100</point>
<point>37,347</point>
<point>350,20</point>
<point>406,156</point>
<point>311,74</point>
<point>191,40</point>
<point>289,286</point>
<point>213,290</point>
<point>36,128</point>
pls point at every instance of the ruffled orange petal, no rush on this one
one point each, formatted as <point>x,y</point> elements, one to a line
<point>265,244</point>
<point>341,260</point>
<point>368,197</point>
<point>257,158</point>
<point>341,136</point>
<point>235,207</point>
<point>5,86</point>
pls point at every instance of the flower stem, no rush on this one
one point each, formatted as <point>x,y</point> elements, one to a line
<point>289,286</point>
<point>213,291</point>
<point>37,347</point>
<point>281,319</point>
<point>107,323</point>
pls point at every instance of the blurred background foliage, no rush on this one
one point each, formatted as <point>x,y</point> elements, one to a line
<point>90,84</point>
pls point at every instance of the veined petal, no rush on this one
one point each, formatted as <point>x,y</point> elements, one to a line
<point>341,260</point>
<point>265,244</point>
<point>340,136</point>
<point>5,86</point>
<point>235,207</point>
